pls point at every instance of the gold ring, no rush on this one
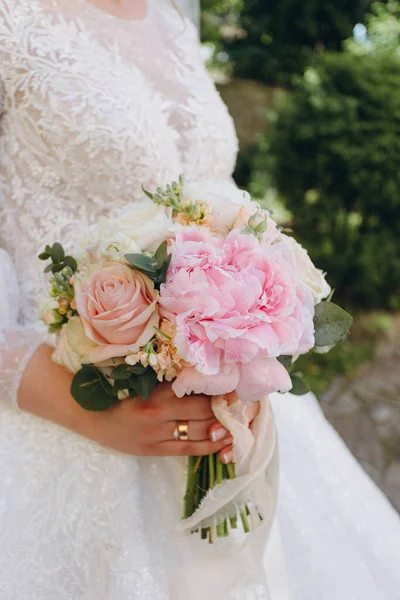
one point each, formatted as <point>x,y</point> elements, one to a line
<point>181,432</point>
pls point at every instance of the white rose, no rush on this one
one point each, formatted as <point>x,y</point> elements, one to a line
<point>145,222</point>
<point>46,308</point>
<point>72,345</point>
<point>224,198</point>
<point>314,278</point>
<point>116,246</point>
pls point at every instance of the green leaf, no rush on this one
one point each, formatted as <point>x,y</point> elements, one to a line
<point>44,256</point>
<point>142,262</point>
<point>145,384</point>
<point>122,372</point>
<point>47,249</point>
<point>300,385</point>
<point>162,273</point>
<point>286,361</point>
<point>148,194</point>
<point>69,261</point>
<point>322,349</point>
<point>57,253</point>
<point>125,372</point>
<point>109,389</point>
<point>332,324</point>
<point>160,255</point>
<point>48,268</point>
<point>88,389</point>
<point>56,268</point>
<point>138,369</point>
<point>120,385</point>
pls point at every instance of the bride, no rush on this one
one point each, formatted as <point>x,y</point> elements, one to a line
<point>98,97</point>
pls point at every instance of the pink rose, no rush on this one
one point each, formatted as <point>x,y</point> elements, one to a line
<point>118,308</point>
<point>237,305</point>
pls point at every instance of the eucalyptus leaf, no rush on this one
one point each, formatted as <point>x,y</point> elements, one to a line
<point>122,372</point>
<point>322,349</point>
<point>160,255</point>
<point>300,385</point>
<point>120,385</point>
<point>332,324</point>
<point>69,261</point>
<point>286,361</point>
<point>138,369</point>
<point>142,262</point>
<point>44,256</point>
<point>56,268</point>
<point>145,384</point>
<point>109,389</point>
<point>87,389</point>
<point>162,274</point>
<point>57,253</point>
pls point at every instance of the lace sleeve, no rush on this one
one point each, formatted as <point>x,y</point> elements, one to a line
<point>17,343</point>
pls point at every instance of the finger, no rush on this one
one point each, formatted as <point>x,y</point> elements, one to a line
<point>178,448</point>
<point>227,454</point>
<point>217,432</point>
<point>190,408</point>
<point>252,411</point>
<point>198,431</point>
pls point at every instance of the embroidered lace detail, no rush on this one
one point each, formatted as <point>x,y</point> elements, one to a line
<point>92,108</point>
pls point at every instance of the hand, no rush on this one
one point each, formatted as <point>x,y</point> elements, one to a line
<point>134,426</point>
<point>146,427</point>
<point>251,411</point>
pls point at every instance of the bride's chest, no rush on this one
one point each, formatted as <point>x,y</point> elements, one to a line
<point>106,112</point>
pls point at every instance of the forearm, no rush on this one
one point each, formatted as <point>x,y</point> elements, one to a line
<point>44,392</point>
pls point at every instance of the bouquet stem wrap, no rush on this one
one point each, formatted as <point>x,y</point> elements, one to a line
<point>253,450</point>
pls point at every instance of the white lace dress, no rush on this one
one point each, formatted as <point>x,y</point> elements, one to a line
<point>92,108</point>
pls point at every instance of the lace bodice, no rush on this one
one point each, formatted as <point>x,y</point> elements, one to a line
<point>94,107</point>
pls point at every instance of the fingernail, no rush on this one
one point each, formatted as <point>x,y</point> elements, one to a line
<point>227,457</point>
<point>218,434</point>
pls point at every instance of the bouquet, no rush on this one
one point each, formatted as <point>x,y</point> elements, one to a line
<point>196,285</point>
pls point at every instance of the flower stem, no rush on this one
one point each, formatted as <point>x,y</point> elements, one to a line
<point>226,528</point>
<point>188,504</point>
<point>211,471</point>
<point>211,535</point>
<point>219,469</point>
<point>221,529</point>
<point>245,520</point>
<point>230,467</point>
<point>198,485</point>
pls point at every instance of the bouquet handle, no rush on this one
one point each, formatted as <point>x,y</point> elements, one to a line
<point>254,450</point>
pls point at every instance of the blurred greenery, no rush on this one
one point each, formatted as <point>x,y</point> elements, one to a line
<point>271,40</point>
<point>280,36</point>
<point>327,160</point>
<point>334,156</point>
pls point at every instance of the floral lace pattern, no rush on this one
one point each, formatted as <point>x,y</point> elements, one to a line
<point>92,108</point>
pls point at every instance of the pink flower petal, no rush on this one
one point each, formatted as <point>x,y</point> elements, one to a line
<point>190,381</point>
<point>262,377</point>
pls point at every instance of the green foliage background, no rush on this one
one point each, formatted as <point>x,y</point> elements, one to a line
<point>332,151</point>
<point>328,160</point>
<point>335,159</point>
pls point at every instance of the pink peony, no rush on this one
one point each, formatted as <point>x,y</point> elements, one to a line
<point>237,305</point>
<point>118,309</point>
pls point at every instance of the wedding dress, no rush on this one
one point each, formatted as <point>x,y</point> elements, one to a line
<point>92,108</point>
